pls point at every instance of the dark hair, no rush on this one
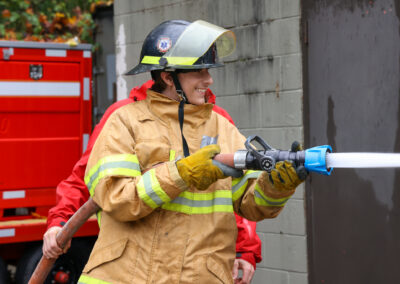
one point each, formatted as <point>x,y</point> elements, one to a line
<point>159,85</point>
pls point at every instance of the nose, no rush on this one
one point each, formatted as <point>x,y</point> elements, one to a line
<point>207,77</point>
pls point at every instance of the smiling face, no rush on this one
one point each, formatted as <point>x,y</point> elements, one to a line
<point>195,85</point>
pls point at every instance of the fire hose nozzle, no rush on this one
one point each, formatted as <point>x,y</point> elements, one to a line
<point>315,159</point>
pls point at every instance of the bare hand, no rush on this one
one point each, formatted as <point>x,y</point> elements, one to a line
<point>50,247</point>
<point>246,267</point>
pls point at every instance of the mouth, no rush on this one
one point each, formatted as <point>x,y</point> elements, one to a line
<point>201,90</point>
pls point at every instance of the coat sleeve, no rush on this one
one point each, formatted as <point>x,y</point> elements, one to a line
<point>248,244</point>
<point>255,198</point>
<point>72,192</point>
<point>118,184</point>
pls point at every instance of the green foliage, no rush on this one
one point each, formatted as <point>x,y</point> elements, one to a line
<point>48,20</point>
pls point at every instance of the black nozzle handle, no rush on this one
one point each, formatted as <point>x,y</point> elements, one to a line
<point>266,160</point>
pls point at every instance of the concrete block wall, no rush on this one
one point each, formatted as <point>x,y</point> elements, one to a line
<point>260,86</point>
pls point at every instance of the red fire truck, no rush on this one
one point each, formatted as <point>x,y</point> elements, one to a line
<point>45,122</point>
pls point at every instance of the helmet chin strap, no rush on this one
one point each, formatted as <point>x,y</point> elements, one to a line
<point>181,112</point>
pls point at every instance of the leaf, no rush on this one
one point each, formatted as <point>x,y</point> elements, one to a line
<point>14,16</point>
<point>6,13</point>
<point>43,18</point>
<point>2,30</point>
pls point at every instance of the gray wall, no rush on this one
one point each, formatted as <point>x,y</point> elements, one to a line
<point>104,63</point>
<point>260,86</point>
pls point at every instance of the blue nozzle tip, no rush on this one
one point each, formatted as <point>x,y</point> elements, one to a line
<point>315,159</point>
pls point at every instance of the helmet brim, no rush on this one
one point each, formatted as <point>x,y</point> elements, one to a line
<point>142,68</point>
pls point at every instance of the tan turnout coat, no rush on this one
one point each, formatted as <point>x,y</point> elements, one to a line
<point>153,228</point>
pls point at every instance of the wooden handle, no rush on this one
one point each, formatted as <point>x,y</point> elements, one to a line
<point>63,237</point>
<point>226,159</point>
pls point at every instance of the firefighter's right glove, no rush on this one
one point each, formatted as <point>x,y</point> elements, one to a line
<point>284,176</point>
<point>198,170</point>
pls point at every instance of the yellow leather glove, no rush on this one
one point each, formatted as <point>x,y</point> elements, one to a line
<point>286,176</point>
<point>198,169</point>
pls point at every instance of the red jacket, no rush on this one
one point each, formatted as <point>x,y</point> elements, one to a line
<point>72,192</point>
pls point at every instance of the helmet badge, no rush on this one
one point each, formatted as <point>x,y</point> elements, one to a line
<point>164,44</point>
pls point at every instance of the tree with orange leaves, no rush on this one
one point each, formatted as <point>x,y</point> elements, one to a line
<point>49,20</point>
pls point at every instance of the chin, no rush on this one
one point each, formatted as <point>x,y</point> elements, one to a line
<point>199,102</point>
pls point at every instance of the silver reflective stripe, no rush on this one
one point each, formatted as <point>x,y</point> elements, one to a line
<point>237,186</point>
<point>149,190</point>
<point>270,202</point>
<point>85,141</point>
<point>7,233</point>
<point>112,165</point>
<point>48,89</point>
<point>87,54</point>
<point>14,194</point>
<point>207,140</point>
<point>86,89</point>
<point>56,53</point>
<point>202,203</point>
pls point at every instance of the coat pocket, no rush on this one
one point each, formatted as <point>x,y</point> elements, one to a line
<point>152,152</point>
<point>114,261</point>
<point>216,268</point>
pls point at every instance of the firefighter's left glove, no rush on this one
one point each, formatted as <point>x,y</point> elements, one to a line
<point>284,177</point>
<point>198,169</point>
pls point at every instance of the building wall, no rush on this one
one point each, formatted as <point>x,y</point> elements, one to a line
<point>260,86</point>
<point>104,63</point>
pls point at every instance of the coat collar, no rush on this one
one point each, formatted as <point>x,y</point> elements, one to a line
<point>167,109</point>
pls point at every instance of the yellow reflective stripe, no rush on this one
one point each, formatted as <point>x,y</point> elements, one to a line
<point>109,159</point>
<point>201,203</point>
<point>150,191</point>
<point>98,214</point>
<point>206,195</point>
<point>117,165</point>
<point>263,200</point>
<point>172,155</point>
<point>171,60</point>
<point>197,210</point>
<point>239,185</point>
<point>143,195</point>
<point>112,172</point>
<point>84,279</point>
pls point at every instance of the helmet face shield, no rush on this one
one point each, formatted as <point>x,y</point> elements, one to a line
<point>196,40</point>
<point>198,46</point>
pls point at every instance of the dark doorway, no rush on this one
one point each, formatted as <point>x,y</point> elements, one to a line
<point>352,101</point>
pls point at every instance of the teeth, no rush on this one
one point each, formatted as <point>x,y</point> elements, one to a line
<point>201,90</point>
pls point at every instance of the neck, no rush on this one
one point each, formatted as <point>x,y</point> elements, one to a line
<point>172,94</point>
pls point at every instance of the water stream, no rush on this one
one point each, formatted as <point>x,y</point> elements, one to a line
<point>362,160</point>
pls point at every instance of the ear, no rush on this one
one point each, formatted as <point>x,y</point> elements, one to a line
<point>167,78</point>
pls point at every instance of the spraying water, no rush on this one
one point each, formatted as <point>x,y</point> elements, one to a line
<point>362,160</point>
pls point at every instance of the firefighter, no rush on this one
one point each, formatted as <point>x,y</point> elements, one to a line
<point>72,193</point>
<point>167,206</point>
